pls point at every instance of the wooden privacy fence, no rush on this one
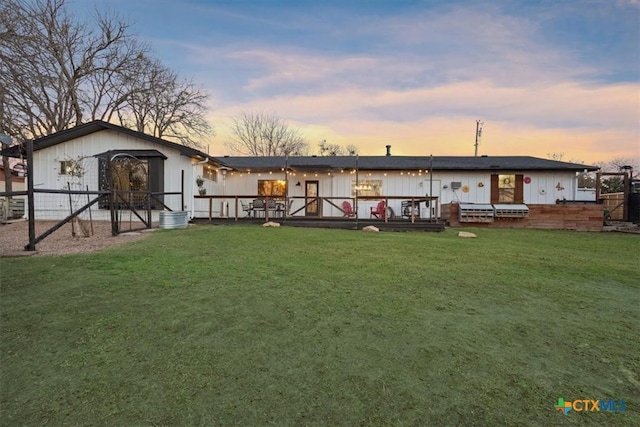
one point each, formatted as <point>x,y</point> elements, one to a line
<point>613,205</point>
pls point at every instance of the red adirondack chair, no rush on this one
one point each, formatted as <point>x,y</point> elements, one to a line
<point>348,209</point>
<point>380,211</point>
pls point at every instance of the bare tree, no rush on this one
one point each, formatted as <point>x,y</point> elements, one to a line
<point>58,73</point>
<point>619,164</point>
<point>615,184</point>
<point>556,156</point>
<point>260,134</point>
<point>49,61</point>
<point>161,104</point>
<point>327,149</point>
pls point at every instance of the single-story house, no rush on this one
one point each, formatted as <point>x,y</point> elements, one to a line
<point>310,185</point>
<point>489,180</point>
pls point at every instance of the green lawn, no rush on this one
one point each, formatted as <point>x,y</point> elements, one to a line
<point>244,325</point>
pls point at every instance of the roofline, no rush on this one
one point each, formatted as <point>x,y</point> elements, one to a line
<point>257,164</point>
<point>99,125</point>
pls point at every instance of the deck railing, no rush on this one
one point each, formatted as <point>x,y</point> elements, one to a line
<point>231,206</point>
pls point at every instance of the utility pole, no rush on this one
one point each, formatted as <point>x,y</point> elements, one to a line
<point>478,135</point>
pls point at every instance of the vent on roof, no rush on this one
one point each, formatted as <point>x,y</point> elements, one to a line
<point>388,150</point>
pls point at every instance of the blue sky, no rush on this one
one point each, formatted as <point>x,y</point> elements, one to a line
<point>544,76</point>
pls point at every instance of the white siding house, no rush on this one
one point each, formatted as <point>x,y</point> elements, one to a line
<point>75,159</point>
<point>452,179</point>
<point>232,181</point>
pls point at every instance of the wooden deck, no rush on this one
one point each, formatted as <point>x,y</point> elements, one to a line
<point>338,223</point>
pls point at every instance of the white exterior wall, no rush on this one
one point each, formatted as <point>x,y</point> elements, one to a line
<point>46,166</point>
<point>542,189</point>
<point>199,208</point>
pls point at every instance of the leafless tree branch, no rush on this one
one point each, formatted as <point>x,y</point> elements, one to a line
<point>57,73</point>
<point>261,134</point>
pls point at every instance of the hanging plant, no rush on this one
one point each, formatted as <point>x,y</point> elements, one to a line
<point>199,181</point>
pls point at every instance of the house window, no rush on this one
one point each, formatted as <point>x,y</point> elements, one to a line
<point>72,167</point>
<point>210,173</point>
<point>272,188</point>
<point>65,167</point>
<point>507,188</point>
<point>367,188</point>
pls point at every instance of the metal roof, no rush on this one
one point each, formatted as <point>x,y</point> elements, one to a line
<point>484,163</point>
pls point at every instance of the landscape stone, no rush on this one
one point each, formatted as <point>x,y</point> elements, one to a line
<point>466,234</point>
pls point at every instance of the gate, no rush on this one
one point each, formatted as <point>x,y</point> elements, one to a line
<point>124,188</point>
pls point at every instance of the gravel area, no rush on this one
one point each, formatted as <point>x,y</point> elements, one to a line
<point>14,236</point>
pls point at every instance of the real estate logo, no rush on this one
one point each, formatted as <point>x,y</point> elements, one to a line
<point>589,405</point>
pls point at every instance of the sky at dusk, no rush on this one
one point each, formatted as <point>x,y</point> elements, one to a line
<point>543,76</point>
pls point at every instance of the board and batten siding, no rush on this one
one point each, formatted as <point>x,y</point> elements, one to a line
<point>542,188</point>
<point>47,176</point>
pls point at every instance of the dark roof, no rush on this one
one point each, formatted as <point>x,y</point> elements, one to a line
<point>319,163</point>
<point>96,126</point>
<point>134,153</point>
<point>484,163</point>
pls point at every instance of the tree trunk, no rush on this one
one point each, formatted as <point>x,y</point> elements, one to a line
<point>8,187</point>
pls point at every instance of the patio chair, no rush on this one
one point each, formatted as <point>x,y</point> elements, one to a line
<point>348,209</point>
<point>380,211</point>
<point>247,207</point>
<point>280,209</point>
<point>258,206</point>
<point>285,208</point>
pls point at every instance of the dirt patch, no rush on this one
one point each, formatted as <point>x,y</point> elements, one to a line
<point>14,236</point>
